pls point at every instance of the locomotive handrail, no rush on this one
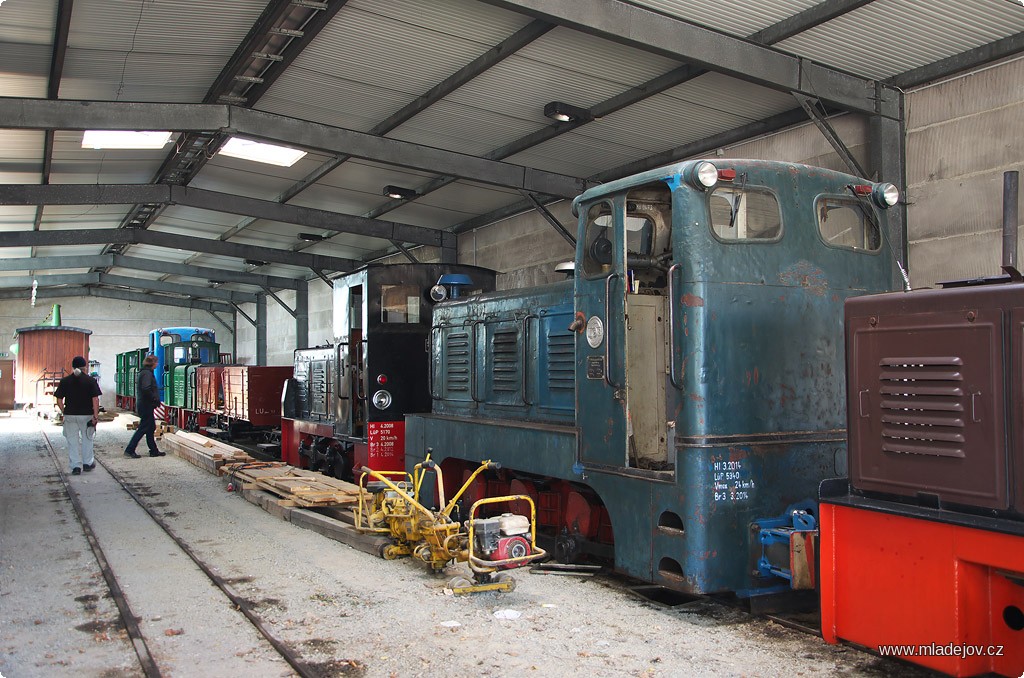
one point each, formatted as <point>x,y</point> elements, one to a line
<point>672,327</point>
<point>473,379</point>
<point>608,331</point>
<point>430,372</point>
<point>526,353</point>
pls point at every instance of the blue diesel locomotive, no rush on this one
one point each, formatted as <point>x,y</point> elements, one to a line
<point>675,405</point>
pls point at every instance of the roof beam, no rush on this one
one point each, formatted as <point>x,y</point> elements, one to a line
<point>24,113</point>
<point>972,58</point>
<point>771,124</point>
<point>121,295</point>
<point>482,63</point>
<point>132,236</point>
<point>677,39</point>
<point>135,263</point>
<point>194,291</point>
<point>811,17</point>
<point>768,125</point>
<point>26,281</point>
<point>169,194</point>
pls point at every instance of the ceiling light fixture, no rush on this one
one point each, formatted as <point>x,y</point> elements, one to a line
<point>399,193</point>
<point>105,139</point>
<point>563,112</point>
<point>255,262</point>
<point>271,154</point>
<point>215,282</point>
<point>311,237</point>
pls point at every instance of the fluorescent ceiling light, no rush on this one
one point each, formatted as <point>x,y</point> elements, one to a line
<point>99,139</point>
<point>260,152</point>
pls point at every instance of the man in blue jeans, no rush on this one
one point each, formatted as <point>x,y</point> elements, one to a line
<point>147,398</point>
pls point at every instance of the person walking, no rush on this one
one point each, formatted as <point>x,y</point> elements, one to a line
<point>78,399</point>
<point>147,399</point>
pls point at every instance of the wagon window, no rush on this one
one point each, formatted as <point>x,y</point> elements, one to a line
<point>400,304</point>
<point>843,223</point>
<point>598,243</point>
<point>739,214</point>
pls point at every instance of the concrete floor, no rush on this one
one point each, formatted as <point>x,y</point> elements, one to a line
<point>344,612</point>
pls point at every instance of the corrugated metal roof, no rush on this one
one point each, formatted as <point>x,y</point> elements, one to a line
<point>377,56</point>
<point>888,37</point>
<point>363,66</point>
<point>738,17</point>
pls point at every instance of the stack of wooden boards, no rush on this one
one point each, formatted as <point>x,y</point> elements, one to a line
<point>304,498</point>
<point>206,453</point>
<point>304,488</point>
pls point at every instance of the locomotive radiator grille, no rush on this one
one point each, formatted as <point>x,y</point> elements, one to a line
<point>923,406</point>
<point>505,347</point>
<point>562,361</point>
<point>319,381</point>
<point>456,353</point>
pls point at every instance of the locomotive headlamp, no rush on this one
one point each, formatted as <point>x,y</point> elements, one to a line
<point>885,195</point>
<point>382,400</point>
<point>702,175</point>
<point>438,293</point>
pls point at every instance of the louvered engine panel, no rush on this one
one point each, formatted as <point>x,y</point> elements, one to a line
<point>926,405</point>
<point>503,358</point>
<point>457,363</point>
<point>922,403</point>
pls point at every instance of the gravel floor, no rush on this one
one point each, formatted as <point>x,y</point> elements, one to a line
<point>345,612</point>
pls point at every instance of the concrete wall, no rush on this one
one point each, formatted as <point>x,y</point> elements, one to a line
<point>117,326</point>
<point>962,134</point>
<point>281,326</point>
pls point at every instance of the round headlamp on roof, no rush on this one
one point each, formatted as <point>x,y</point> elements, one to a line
<point>438,293</point>
<point>702,175</point>
<point>885,195</point>
<point>453,282</point>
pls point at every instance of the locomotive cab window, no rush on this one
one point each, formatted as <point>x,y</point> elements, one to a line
<point>744,214</point>
<point>639,235</point>
<point>843,222</point>
<point>400,304</point>
<point>599,250</point>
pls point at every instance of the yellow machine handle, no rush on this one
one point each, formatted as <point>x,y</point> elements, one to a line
<point>484,466</point>
<point>361,505</point>
<point>479,564</point>
<point>402,493</point>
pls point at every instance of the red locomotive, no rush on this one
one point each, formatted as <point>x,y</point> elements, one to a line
<point>922,551</point>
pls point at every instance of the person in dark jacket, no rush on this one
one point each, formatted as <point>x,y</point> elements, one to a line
<point>78,399</point>
<point>147,399</point>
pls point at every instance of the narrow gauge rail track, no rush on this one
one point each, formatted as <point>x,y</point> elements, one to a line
<point>147,662</point>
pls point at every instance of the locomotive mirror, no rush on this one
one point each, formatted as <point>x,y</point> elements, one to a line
<point>595,331</point>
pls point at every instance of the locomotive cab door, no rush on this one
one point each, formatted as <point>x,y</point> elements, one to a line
<point>350,413</point>
<point>621,345</point>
